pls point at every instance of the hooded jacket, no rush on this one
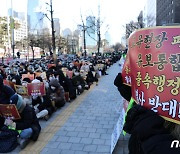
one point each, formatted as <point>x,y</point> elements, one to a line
<point>5,92</point>
<point>56,95</point>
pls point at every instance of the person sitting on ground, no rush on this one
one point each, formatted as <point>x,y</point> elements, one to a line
<point>28,125</point>
<point>42,104</point>
<point>56,93</point>
<point>91,76</point>
<point>78,82</point>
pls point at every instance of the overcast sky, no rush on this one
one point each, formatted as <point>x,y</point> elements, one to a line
<point>114,13</point>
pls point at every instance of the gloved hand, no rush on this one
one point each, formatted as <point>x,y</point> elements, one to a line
<point>144,122</point>
<point>118,80</point>
<point>8,122</point>
<point>124,90</point>
<point>79,87</point>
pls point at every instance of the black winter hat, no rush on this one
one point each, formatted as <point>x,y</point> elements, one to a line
<point>17,100</point>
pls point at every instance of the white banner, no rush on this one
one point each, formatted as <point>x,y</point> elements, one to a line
<point>117,130</point>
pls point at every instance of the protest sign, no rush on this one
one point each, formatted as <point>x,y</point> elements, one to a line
<point>51,65</point>
<point>9,110</point>
<point>28,75</point>
<point>154,56</point>
<point>126,71</point>
<point>36,89</point>
<point>21,90</point>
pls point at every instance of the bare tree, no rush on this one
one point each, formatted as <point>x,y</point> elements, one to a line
<point>95,27</point>
<point>118,46</point>
<point>84,29</point>
<point>132,26</point>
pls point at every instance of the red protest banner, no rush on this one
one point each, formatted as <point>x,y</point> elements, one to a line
<point>154,55</point>
<point>28,75</point>
<point>51,65</point>
<point>36,89</point>
<point>126,71</point>
<point>9,110</point>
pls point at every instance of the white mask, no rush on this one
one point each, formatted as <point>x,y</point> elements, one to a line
<point>35,97</point>
<point>52,77</point>
<point>76,73</point>
<point>57,78</point>
<point>24,84</point>
<point>14,80</point>
<point>53,88</point>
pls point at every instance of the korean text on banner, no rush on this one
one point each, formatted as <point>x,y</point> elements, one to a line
<point>154,56</point>
<point>9,110</point>
<point>36,89</point>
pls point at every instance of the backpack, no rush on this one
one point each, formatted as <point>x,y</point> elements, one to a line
<point>8,139</point>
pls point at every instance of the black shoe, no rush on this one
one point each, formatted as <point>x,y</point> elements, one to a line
<point>23,142</point>
<point>46,117</point>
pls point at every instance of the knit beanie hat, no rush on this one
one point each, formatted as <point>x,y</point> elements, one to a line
<point>17,100</point>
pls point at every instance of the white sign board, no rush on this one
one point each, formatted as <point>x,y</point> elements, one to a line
<point>117,130</point>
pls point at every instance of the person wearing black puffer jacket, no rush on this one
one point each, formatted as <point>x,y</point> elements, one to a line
<point>150,133</point>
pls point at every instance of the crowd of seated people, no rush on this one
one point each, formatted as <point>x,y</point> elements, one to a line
<point>63,81</point>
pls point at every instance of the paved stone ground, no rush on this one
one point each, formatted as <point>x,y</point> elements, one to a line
<point>85,125</point>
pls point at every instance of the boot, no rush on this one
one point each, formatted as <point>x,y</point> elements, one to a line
<point>23,142</point>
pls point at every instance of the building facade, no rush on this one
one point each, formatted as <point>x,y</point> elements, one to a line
<point>36,16</point>
<point>57,27</point>
<point>21,32</point>
<point>91,31</point>
<point>161,12</point>
<point>149,13</point>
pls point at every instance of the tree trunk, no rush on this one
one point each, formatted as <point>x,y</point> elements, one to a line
<point>84,31</point>
<point>99,42</point>
<point>32,51</point>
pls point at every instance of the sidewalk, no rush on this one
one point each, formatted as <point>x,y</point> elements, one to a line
<point>85,125</point>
